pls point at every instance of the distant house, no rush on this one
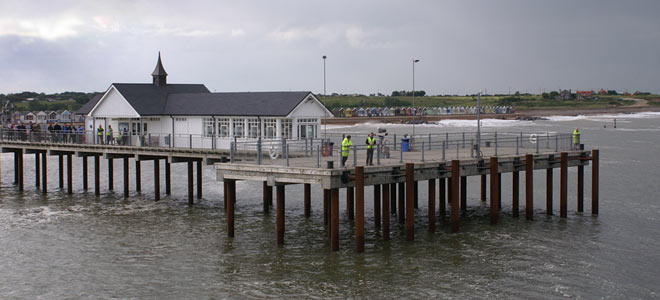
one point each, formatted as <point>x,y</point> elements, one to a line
<point>53,117</point>
<point>42,117</point>
<point>582,95</point>
<point>17,117</point>
<point>602,92</point>
<point>29,117</point>
<point>564,95</point>
<point>65,117</point>
<point>189,115</point>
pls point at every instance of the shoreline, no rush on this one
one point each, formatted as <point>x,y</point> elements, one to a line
<point>525,114</point>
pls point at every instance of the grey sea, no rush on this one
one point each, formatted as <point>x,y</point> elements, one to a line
<point>58,246</point>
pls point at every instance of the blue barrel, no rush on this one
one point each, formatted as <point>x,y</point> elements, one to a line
<point>405,144</point>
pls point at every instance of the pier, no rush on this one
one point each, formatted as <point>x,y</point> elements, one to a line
<point>445,162</point>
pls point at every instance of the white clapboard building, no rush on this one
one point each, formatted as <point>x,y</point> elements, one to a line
<point>188,115</point>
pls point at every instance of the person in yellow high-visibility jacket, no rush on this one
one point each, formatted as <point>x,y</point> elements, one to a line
<point>371,144</point>
<point>345,149</point>
<point>576,138</point>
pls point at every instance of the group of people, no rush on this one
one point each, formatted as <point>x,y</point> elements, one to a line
<point>371,143</point>
<point>56,133</point>
<point>110,139</point>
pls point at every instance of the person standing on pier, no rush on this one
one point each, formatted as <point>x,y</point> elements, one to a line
<point>345,149</point>
<point>371,143</point>
<point>99,133</point>
<point>109,134</point>
<point>576,138</point>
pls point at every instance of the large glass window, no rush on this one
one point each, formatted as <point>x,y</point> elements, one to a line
<point>270,128</point>
<point>223,127</point>
<point>253,127</point>
<point>239,124</point>
<point>307,128</point>
<point>287,128</point>
<point>208,127</point>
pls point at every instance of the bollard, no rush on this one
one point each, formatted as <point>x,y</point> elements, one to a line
<point>422,151</point>
<point>259,151</point>
<point>231,152</point>
<point>287,154</point>
<point>318,156</point>
<point>495,143</point>
<point>354,155</point>
<point>443,150</point>
<point>517,147</point>
<point>400,154</point>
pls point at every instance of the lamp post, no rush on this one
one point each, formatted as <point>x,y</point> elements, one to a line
<point>325,121</point>
<point>412,139</point>
<point>479,124</point>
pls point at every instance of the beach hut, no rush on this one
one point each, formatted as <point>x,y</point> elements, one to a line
<point>336,112</point>
<point>355,113</point>
<point>374,112</point>
<point>386,111</point>
<point>42,117</point>
<point>361,112</point>
<point>348,112</point>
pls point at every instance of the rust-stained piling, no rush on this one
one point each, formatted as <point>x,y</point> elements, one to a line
<point>326,207</point>
<point>97,175</point>
<point>168,178</point>
<point>60,160</point>
<point>84,171</point>
<point>415,194</point>
<point>515,194</point>
<point>494,193</point>
<point>37,177</point>
<point>266,193</point>
<point>402,202</point>
<point>463,193</point>
<point>350,203</point>
<point>594,181</point>
<point>280,194</point>
<point>138,176</point>
<point>483,187</point>
<point>126,183</point>
<point>200,172</point>
<point>529,186</point>
<point>548,190</point>
<point>393,198</point>
<point>442,210</point>
<point>563,204</point>
<point>410,195</point>
<point>44,168</point>
<point>580,188</point>
<point>190,183</point>
<point>307,199</point>
<point>359,207</point>
<point>69,173</point>
<point>455,174</point>
<point>431,204</point>
<point>157,179</point>
<point>230,200</point>
<point>111,174</point>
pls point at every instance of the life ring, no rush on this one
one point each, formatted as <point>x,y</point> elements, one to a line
<point>533,138</point>
<point>273,152</point>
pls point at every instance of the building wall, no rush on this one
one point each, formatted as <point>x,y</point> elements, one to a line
<point>114,105</point>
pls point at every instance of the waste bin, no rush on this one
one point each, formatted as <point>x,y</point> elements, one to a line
<point>327,149</point>
<point>405,144</point>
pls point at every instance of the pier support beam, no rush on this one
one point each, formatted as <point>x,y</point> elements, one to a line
<point>393,198</point>
<point>494,191</point>
<point>415,194</point>
<point>431,205</point>
<point>326,207</point>
<point>85,171</point>
<point>267,192</point>
<point>410,195</point>
<point>307,195</point>
<point>37,177</point>
<point>529,186</point>
<point>580,189</point>
<point>60,159</point>
<point>377,206</point>
<point>111,174</point>
<point>69,173</point>
<point>156,179</point>
<point>168,178</point>
<point>455,174</point>
<point>594,181</point>
<point>190,183</point>
<point>138,176</point>
<point>442,210</point>
<point>483,187</point>
<point>548,190</point>
<point>350,203</point>
<point>230,200</point>
<point>515,194</point>
<point>97,175</point>
<point>386,212</point>
<point>563,198</point>
<point>464,193</point>
<point>359,207</point>
<point>200,172</point>
<point>280,194</point>
<point>334,219</point>
<point>126,183</point>
<point>402,202</point>
<point>19,157</point>
<point>44,170</point>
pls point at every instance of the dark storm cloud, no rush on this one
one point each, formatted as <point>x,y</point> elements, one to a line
<point>463,46</point>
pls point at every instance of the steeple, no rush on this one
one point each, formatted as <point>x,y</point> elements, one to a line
<point>159,75</point>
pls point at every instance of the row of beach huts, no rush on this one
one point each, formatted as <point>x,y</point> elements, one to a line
<point>44,117</point>
<point>420,111</point>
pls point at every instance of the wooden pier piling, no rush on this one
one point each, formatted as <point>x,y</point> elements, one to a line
<point>594,180</point>
<point>97,175</point>
<point>111,174</point>
<point>393,198</point>
<point>463,193</point>
<point>326,207</point>
<point>334,219</point>
<point>85,173</point>
<point>307,199</point>
<point>359,208</point>
<point>138,176</point>
<point>267,192</point>
<point>230,200</point>
<point>37,177</point>
<point>200,172</point>
<point>60,159</point>
<point>548,190</point>
<point>126,183</point>
<point>580,189</point>
<point>563,204</point>
<point>69,173</point>
<point>377,196</point>
<point>410,195</point>
<point>190,183</point>
<point>529,186</point>
<point>168,178</point>
<point>280,194</point>
<point>515,194</point>
<point>44,169</point>
<point>350,203</point>
<point>431,204</point>
<point>494,191</point>
<point>483,187</point>
<point>455,174</point>
<point>402,202</point>
<point>157,179</point>
<point>442,210</point>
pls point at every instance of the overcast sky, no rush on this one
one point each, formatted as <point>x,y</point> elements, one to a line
<point>463,46</point>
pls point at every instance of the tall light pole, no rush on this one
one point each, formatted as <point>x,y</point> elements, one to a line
<point>414,61</point>
<point>325,121</point>
<point>479,124</point>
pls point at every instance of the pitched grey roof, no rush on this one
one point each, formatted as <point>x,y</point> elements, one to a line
<point>149,99</point>
<point>234,104</point>
<point>85,109</point>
